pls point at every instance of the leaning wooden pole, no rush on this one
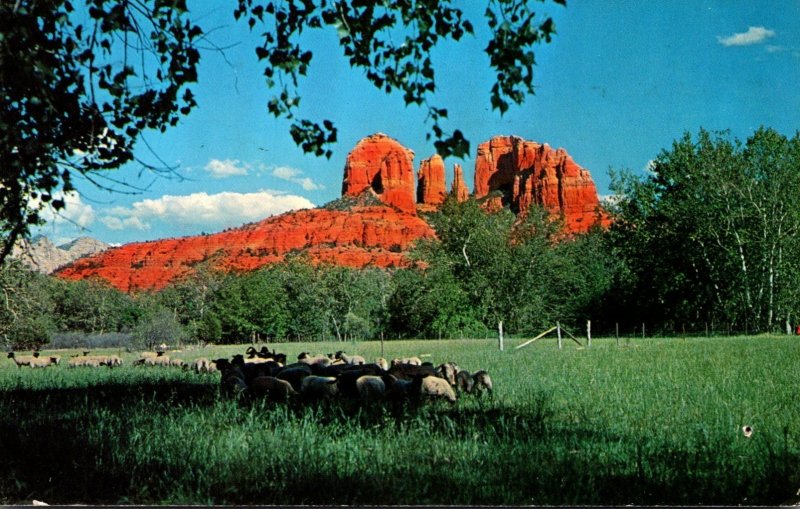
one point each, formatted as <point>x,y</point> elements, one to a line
<point>540,336</point>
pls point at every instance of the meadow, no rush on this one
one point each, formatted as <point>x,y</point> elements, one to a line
<point>650,421</point>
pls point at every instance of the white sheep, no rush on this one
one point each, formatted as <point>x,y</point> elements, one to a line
<point>448,371</point>
<point>162,360</point>
<point>350,359</point>
<point>201,365</point>
<point>382,363</point>
<point>319,360</point>
<point>24,360</point>
<point>434,387</point>
<point>414,361</point>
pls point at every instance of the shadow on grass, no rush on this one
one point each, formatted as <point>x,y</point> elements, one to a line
<point>68,445</point>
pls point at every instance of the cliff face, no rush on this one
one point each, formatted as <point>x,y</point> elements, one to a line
<point>373,235</point>
<point>431,188</point>
<point>380,163</point>
<point>525,173</point>
<point>459,189</point>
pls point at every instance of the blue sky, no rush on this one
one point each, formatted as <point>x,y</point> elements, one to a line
<point>619,82</point>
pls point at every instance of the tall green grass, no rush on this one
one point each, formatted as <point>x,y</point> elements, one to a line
<point>656,422</point>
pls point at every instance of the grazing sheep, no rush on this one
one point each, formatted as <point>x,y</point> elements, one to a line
<point>178,363</point>
<point>464,381</point>
<point>349,359</point>
<point>112,361</point>
<point>374,387</point>
<point>448,371</point>
<point>309,359</point>
<point>41,362</point>
<point>201,365</point>
<point>87,361</point>
<point>433,387</point>
<point>162,360</point>
<point>294,375</point>
<point>271,388</point>
<point>383,363</point>
<point>348,380</point>
<point>24,360</point>
<point>319,387</point>
<point>232,380</point>
<point>482,381</point>
<point>409,371</point>
<point>414,361</point>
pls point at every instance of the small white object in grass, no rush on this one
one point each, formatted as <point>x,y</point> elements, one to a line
<point>747,430</point>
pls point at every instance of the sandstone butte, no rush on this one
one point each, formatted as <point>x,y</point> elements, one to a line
<point>431,187</point>
<point>526,172</point>
<point>375,222</point>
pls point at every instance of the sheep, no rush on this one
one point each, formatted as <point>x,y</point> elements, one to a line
<point>41,362</point>
<point>482,381</point>
<point>294,375</point>
<point>232,380</point>
<point>178,363</point>
<point>319,387</point>
<point>91,362</point>
<point>24,360</point>
<point>347,380</point>
<point>384,365</point>
<point>414,361</point>
<point>464,381</point>
<point>409,371</point>
<point>309,359</point>
<point>273,389</point>
<point>448,371</point>
<point>162,360</point>
<point>373,387</point>
<point>433,387</point>
<point>201,365</point>
<point>349,359</point>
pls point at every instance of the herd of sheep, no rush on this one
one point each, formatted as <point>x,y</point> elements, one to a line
<point>266,374</point>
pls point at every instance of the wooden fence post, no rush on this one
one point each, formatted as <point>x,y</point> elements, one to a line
<point>617,333</point>
<point>588,333</point>
<point>500,333</point>
<point>558,329</point>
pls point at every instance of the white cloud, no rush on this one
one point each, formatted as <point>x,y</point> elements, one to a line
<point>227,168</point>
<point>754,35</point>
<point>293,175</point>
<point>203,210</point>
<point>75,211</point>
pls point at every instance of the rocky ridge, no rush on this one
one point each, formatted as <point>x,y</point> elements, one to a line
<point>41,255</point>
<point>374,223</point>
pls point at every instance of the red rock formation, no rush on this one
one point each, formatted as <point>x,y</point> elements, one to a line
<point>374,235</point>
<point>459,189</point>
<point>380,163</point>
<point>431,189</point>
<point>526,172</point>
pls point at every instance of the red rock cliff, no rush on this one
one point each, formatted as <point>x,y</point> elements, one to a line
<point>459,189</point>
<point>526,172</point>
<point>370,235</point>
<point>431,188</point>
<point>380,163</point>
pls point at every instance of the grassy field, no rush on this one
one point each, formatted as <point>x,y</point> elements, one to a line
<point>658,421</point>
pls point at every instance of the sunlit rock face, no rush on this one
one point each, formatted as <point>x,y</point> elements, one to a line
<point>382,164</point>
<point>521,173</point>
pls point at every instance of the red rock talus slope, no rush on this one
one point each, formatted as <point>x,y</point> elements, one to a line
<point>431,188</point>
<point>380,163</point>
<point>371,235</point>
<point>526,172</point>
